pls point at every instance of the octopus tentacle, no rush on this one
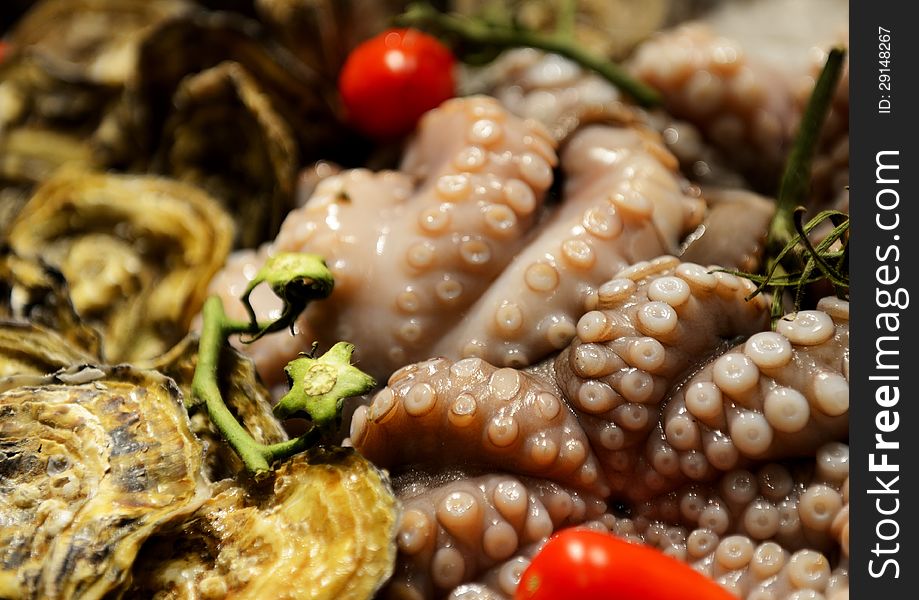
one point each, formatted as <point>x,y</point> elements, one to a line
<point>650,325</point>
<point>743,106</point>
<point>840,526</point>
<point>733,233</point>
<point>478,198</point>
<point>780,394</point>
<point>789,503</point>
<point>444,413</point>
<point>435,245</point>
<point>764,530</point>
<point>446,252</point>
<point>748,567</point>
<point>624,202</point>
<point>750,106</point>
<point>452,531</point>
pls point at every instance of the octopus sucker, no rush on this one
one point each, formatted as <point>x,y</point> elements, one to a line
<point>709,80</point>
<point>552,283</point>
<point>747,101</point>
<point>749,568</point>
<point>625,203</point>
<point>773,397</point>
<point>456,526</point>
<point>794,503</point>
<point>478,235</point>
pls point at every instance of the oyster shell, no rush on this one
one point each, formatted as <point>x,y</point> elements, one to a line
<point>215,37</point>
<point>34,293</point>
<point>257,155</point>
<point>137,252</point>
<point>27,349</point>
<point>28,156</point>
<point>71,59</point>
<point>88,470</point>
<point>33,92</point>
<point>321,527</point>
<point>93,39</point>
<point>213,100</point>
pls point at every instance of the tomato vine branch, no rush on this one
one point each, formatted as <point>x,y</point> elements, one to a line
<point>792,260</point>
<point>318,385</point>
<point>500,36</point>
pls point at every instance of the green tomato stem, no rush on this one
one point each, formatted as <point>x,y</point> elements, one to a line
<point>567,16</point>
<point>256,457</point>
<point>214,333</point>
<point>282,450</point>
<point>796,177</point>
<point>480,32</point>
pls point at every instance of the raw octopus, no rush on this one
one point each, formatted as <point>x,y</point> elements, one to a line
<point>651,407</point>
<point>460,257</point>
<point>748,100</point>
<point>666,412</point>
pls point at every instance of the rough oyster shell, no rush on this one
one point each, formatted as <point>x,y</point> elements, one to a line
<point>213,100</point>
<point>88,470</point>
<point>71,59</point>
<point>137,252</point>
<point>321,527</point>
<point>28,156</point>
<point>257,155</point>
<point>96,39</point>
<point>33,92</point>
<point>34,293</point>
<point>216,37</point>
<point>27,349</point>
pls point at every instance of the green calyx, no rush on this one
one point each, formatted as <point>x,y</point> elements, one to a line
<point>295,278</point>
<point>319,385</point>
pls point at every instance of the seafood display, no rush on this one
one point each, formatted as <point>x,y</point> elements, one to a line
<point>613,416</point>
<point>464,231</point>
<point>257,341</point>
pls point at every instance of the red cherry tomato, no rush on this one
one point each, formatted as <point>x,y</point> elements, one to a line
<point>390,80</point>
<point>587,565</point>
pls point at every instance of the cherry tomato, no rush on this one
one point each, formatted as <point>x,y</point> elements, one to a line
<point>584,564</point>
<point>4,50</point>
<point>390,80</point>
